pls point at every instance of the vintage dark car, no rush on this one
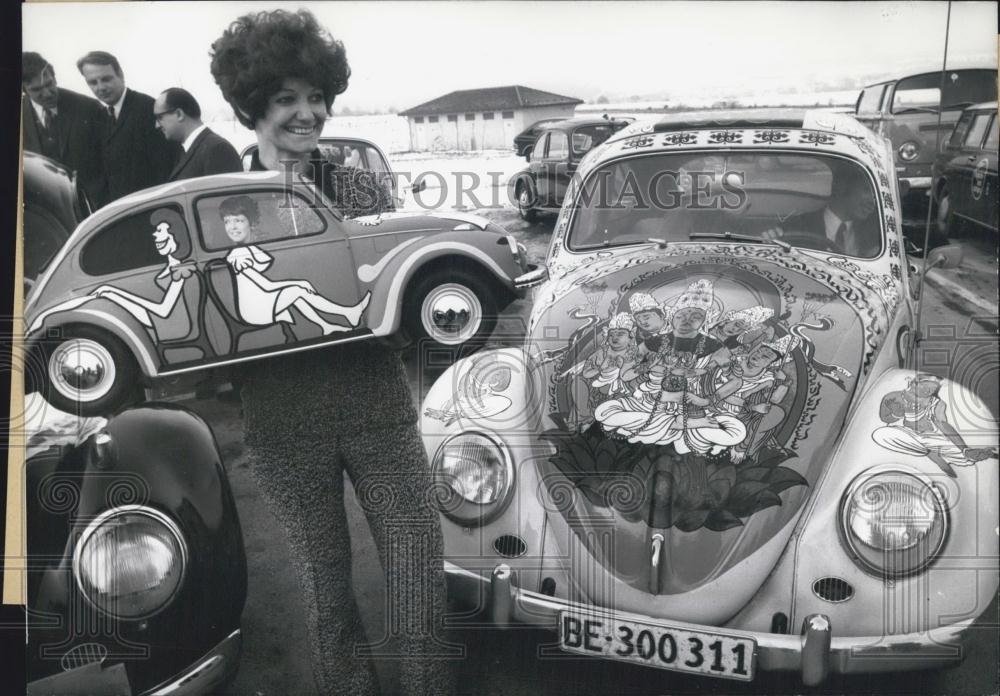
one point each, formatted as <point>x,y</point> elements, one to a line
<point>711,453</point>
<point>965,173</point>
<point>906,111</point>
<point>525,140</point>
<point>356,152</point>
<point>554,157</point>
<point>53,205</point>
<point>136,567</point>
<point>218,270</point>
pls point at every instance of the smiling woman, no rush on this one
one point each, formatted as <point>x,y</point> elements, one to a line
<point>309,418</point>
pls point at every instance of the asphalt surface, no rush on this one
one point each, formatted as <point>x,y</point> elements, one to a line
<point>961,344</point>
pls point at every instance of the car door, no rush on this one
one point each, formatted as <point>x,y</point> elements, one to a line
<point>536,167</point>
<point>289,279</point>
<point>984,179</point>
<point>554,168</point>
<point>967,195</point>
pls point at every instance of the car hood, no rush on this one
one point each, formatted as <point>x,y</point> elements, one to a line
<point>698,445</point>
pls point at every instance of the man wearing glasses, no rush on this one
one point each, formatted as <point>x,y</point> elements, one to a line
<point>134,152</point>
<point>178,116</point>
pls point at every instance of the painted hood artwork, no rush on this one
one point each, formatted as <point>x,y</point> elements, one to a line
<point>699,394</point>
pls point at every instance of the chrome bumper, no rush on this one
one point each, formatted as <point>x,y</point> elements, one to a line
<point>814,654</point>
<point>203,677</point>
<point>917,182</point>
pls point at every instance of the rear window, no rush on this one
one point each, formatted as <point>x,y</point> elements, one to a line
<point>586,138</point>
<point>128,244</point>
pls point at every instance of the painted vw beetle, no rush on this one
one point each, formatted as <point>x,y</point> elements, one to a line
<point>709,455</point>
<point>137,572</point>
<point>228,268</point>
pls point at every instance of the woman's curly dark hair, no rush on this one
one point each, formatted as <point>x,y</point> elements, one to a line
<point>240,205</point>
<point>260,50</point>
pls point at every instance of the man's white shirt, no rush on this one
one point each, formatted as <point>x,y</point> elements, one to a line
<point>189,141</point>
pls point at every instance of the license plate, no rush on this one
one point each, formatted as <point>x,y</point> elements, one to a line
<point>660,646</point>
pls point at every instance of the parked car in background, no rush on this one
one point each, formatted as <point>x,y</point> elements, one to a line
<point>223,269</point>
<point>53,205</point>
<point>965,173</point>
<point>711,453</point>
<point>136,567</point>
<point>906,111</point>
<point>355,152</point>
<point>525,140</point>
<point>557,152</point>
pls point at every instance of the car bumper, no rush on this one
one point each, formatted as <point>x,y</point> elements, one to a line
<point>203,677</point>
<point>815,654</point>
<point>917,182</point>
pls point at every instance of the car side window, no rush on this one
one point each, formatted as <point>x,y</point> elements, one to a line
<point>375,161</point>
<point>558,145</point>
<point>255,217</point>
<point>991,137</point>
<point>974,138</point>
<point>961,128</point>
<point>125,245</point>
<point>538,152</point>
<point>870,99</point>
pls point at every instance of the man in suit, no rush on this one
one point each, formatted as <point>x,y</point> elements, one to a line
<point>178,116</point>
<point>134,153</point>
<point>62,125</point>
<point>847,224</point>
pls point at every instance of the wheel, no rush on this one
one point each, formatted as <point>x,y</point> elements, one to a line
<point>89,372</point>
<point>452,308</point>
<point>525,199</point>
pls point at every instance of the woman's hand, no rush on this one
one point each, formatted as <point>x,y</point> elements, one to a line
<point>105,290</point>
<point>304,284</point>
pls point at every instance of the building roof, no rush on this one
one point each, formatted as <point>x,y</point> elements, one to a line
<point>489,99</point>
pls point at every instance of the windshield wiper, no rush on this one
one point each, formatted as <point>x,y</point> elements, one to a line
<point>916,109</point>
<point>957,105</point>
<point>732,237</point>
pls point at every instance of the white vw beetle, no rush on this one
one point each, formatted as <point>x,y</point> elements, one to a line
<point>711,453</point>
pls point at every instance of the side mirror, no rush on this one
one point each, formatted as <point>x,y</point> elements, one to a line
<point>949,256</point>
<point>536,276</point>
<point>418,186</point>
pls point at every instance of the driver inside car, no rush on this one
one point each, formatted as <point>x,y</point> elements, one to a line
<point>847,224</point>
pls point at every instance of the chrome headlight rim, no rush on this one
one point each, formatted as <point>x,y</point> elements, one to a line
<point>97,523</point>
<point>460,509</point>
<point>909,151</point>
<point>852,544</point>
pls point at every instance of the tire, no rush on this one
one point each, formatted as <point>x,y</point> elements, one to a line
<point>432,303</point>
<point>116,383</point>
<point>526,199</point>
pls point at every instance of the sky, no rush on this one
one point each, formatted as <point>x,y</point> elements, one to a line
<point>403,54</point>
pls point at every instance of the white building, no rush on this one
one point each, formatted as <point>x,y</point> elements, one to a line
<point>482,119</point>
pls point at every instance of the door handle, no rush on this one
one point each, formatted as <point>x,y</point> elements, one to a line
<point>654,563</point>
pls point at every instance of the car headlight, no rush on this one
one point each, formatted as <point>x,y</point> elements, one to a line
<point>909,150</point>
<point>475,476</point>
<point>894,522</point>
<point>130,561</point>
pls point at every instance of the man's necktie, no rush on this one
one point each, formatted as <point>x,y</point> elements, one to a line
<point>840,239</point>
<point>111,113</point>
<point>49,122</point>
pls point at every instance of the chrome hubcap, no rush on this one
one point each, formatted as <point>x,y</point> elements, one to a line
<point>82,370</point>
<point>524,200</point>
<point>451,314</point>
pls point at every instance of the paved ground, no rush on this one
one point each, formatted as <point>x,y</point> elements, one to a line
<point>275,660</point>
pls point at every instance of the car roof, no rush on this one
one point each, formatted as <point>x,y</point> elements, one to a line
<point>928,71</point>
<point>746,119</point>
<point>580,121</point>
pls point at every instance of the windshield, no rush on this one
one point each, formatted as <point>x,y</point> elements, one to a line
<point>810,201</point>
<point>962,88</point>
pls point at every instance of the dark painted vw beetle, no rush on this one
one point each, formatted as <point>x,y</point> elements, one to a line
<point>223,269</point>
<point>137,573</point>
<point>711,453</point>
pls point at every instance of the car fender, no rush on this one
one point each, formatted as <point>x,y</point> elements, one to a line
<point>159,457</point>
<point>522,176</point>
<point>487,250</point>
<point>957,586</point>
<point>118,323</point>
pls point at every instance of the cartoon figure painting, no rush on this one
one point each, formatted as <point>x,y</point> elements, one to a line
<point>167,317</point>
<point>916,424</point>
<point>263,301</point>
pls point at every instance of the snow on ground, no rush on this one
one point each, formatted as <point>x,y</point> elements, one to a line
<point>458,180</point>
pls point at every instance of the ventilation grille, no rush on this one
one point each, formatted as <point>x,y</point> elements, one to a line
<point>833,589</point>
<point>82,655</point>
<point>509,546</point>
